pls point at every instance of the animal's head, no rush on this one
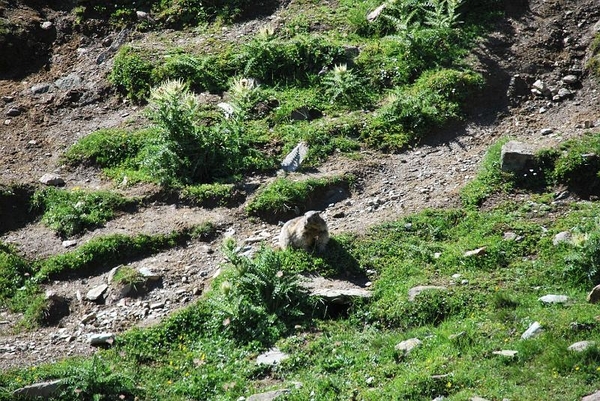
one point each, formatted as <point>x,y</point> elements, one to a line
<point>312,216</point>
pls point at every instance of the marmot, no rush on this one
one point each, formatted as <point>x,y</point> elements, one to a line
<point>306,232</point>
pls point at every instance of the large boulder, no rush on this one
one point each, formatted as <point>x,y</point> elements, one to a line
<point>516,156</point>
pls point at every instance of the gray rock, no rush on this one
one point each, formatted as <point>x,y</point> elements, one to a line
<point>294,159</point>
<point>46,25</point>
<point>534,329</point>
<point>268,396</point>
<point>13,112</point>
<point>149,274</point>
<point>564,93</point>
<point>475,252</point>
<point>102,339</point>
<point>570,79</point>
<point>478,399</point>
<point>373,15</point>
<point>592,397</point>
<point>506,353</point>
<point>405,347</point>
<point>594,295</point>
<point>272,357</point>
<point>581,346</point>
<point>52,180</point>
<point>415,291</point>
<point>71,81</point>
<point>69,243</point>
<point>40,88</point>
<point>541,87</point>
<point>340,296</point>
<point>95,294</point>
<point>546,131</point>
<point>44,389</point>
<point>563,236</point>
<point>553,299</point>
<point>516,156</point>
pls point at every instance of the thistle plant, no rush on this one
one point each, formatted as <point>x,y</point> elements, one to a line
<point>343,86</point>
<point>244,93</point>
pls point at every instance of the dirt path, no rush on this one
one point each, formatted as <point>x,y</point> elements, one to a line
<point>547,42</point>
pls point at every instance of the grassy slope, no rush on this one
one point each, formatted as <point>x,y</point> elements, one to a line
<point>486,308</point>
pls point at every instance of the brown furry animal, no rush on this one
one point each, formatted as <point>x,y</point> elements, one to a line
<point>305,232</point>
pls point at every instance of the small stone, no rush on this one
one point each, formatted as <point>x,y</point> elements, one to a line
<point>95,294</point>
<point>148,274</point>
<point>516,156</point>
<point>69,243</point>
<point>581,346</point>
<point>563,236</point>
<point>51,179</point>
<point>102,339</point>
<point>373,15</point>
<point>564,93</point>
<point>475,252</point>
<point>546,131</point>
<point>46,25</point>
<point>272,357</point>
<point>415,291</point>
<point>570,79</point>
<point>534,329</point>
<point>40,88</point>
<point>405,347</point>
<point>157,305</point>
<point>13,112</point>
<point>507,353</point>
<point>268,396</point>
<point>478,399</point>
<point>553,299</point>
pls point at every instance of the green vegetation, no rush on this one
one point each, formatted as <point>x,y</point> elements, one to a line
<point>70,212</point>
<point>207,351</point>
<point>283,196</point>
<point>593,64</point>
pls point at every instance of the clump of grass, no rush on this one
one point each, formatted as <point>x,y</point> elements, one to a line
<point>14,270</point>
<point>132,74</point>
<point>284,197</point>
<point>70,212</point>
<point>210,195</point>
<point>105,252</point>
<point>489,180</point>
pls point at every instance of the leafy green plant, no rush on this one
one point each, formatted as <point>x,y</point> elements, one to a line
<point>582,263</point>
<point>210,195</point>
<point>132,74</point>
<point>343,86</point>
<point>260,299</point>
<point>13,271</point>
<point>442,14</point>
<point>126,275</point>
<point>69,212</point>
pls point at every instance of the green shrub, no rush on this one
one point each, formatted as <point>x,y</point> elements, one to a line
<point>434,100</point>
<point>108,147</point>
<point>185,150</point>
<point>14,270</point>
<point>207,73</point>
<point>578,165</point>
<point>70,212</point>
<point>343,86</point>
<point>272,60</point>
<point>582,263</point>
<point>132,74</point>
<point>260,300</point>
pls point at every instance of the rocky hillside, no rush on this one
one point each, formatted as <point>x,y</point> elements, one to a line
<point>54,91</point>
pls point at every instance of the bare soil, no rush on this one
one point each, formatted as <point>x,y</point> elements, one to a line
<point>546,39</point>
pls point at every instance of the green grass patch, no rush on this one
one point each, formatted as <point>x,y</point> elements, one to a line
<point>70,212</point>
<point>284,197</point>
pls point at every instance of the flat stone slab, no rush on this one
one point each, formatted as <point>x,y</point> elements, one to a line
<point>45,389</point>
<point>334,291</point>
<point>268,396</point>
<point>415,291</point>
<point>581,346</point>
<point>553,299</point>
<point>592,397</point>
<point>534,329</point>
<point>272,357</point>
<point>506,352</point>
<point>408,345</point>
